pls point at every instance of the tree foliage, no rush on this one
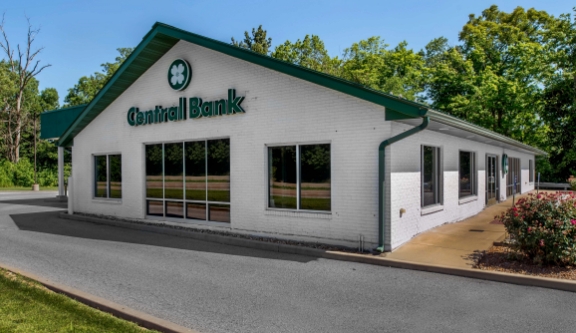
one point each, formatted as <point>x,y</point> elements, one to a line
<point>257,42</point>
<point>19,89</point>
<point>88,86</point>
<point>310,53</point>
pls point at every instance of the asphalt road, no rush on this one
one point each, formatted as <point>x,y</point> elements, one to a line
<point>217,288</point>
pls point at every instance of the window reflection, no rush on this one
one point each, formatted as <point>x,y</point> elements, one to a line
<point>430,175</point>
<point>174,209</point>
<point>115,188</point>
<point>196,170</point>
<point>465,174</point>
<point>219,213</point>
<point>154,171</point>
<point>174,171</point>
<point>100,166</point>
<point>219,170</point>
<point>315,177</point>
<point>155,208</point>
<point>282,177</point>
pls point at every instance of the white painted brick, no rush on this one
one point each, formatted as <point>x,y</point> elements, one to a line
<point>279,110</point>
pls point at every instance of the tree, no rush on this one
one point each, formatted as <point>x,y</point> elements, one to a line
<point>309,53</point>
<point>256,43</point>
<point>559,97</point>
<point>88,86</point>
<point>398,71</point>
<point>494,78</point>
<point>21,71</point>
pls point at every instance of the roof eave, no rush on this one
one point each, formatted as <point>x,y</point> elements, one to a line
<point>463,125</point>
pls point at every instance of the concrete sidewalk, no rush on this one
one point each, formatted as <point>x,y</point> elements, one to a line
<point>456,244</point>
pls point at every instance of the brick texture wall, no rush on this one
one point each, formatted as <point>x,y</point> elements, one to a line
<point>280,109</point>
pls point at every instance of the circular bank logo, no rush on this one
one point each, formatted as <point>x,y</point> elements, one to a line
<point>179,74</point>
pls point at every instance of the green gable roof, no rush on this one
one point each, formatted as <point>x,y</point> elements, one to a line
<point>163,37</point>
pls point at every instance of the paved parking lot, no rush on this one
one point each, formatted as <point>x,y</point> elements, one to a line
<point>219,288</point>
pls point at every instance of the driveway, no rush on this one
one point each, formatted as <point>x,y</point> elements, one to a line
<point>219,288</point>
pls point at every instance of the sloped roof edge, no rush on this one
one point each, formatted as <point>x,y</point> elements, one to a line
<point>162,37</point>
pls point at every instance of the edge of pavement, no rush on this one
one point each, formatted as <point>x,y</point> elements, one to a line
<point>191,232</point>
<point>142,319</point>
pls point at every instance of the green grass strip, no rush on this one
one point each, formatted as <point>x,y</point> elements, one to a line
<point>26,306</point>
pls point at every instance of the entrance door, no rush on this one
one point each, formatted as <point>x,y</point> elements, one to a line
<point>513,175</point>
<point>491,180</point>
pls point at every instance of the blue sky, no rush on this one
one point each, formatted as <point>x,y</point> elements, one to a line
<point>78,36</point>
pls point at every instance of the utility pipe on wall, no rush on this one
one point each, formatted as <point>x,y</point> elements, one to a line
<point>381,175</point>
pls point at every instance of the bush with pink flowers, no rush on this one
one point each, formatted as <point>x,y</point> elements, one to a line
<point>543,227</point>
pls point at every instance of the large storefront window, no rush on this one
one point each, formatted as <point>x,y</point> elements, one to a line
<point>299,177</point>
<point>467,174</point>
<point>178,186</point>
<point>431,176</point>
<point>108,176</point>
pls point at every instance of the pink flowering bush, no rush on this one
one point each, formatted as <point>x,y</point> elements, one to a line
<point>543,227</point>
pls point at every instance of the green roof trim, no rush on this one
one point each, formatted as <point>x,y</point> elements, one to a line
<point>162,38</point>
<point>449,120</point>
<point>56,122</point>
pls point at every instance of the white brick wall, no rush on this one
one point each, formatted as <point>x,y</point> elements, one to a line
<point>279,110</point>
<point>406,185</point>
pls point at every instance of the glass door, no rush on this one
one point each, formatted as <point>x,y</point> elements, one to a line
<point>491,179</point>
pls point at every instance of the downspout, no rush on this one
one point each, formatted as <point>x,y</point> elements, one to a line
<point>381,175</point>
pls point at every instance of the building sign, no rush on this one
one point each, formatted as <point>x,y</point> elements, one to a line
<point>179,74</point>
<point>188,108</point>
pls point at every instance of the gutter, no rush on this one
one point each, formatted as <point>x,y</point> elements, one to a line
<point>381,175</point>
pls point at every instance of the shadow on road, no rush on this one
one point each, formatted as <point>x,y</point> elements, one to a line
<point>51,223</point>
<point>43,202</point>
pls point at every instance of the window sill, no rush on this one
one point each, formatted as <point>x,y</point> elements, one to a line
<point>314,214</point>
<point>468,199</point>
<point>431,209</point>
<point>107,201</point>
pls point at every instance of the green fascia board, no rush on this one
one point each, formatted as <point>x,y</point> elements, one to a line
<point>452,121</point>
<point>162,37</point>
<point>54,123</point>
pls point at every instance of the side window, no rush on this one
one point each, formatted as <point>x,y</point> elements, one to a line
<point>531,171</point>
<point>108,176</point>
<point>299,177</point>
<point>467,174</point>
<point>431,178</point>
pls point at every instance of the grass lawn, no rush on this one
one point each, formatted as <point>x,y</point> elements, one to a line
<point>21,188</point>
<point>26,306</point>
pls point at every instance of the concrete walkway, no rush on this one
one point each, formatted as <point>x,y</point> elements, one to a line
<point>456,244</point>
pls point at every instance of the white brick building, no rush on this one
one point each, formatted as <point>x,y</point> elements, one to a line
<point>301,162</point>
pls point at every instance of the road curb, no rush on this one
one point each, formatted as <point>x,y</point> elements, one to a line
<point>120,311</point>
<point>518,279</point>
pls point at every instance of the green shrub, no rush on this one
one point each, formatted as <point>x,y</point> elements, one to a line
<point>543,227</point>
<point>572,184</point>
<point>22,174</point>
<point>6,174</point>
<point>48,178</point>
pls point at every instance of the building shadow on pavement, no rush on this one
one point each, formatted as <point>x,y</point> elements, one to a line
<point>42,202</point>
<point>51,223</point>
